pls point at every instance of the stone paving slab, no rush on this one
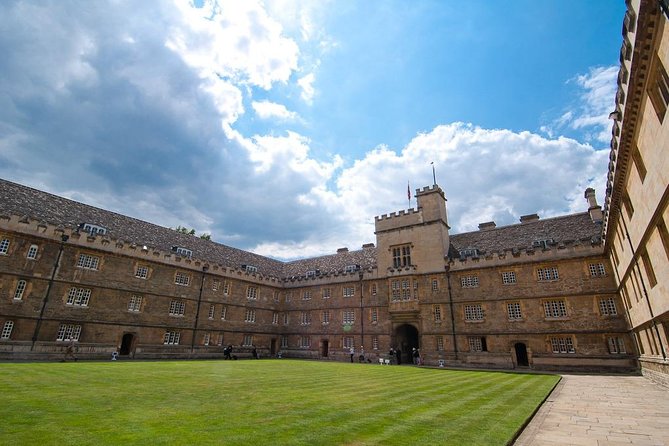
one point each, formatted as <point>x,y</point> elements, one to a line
<point>601,410</point>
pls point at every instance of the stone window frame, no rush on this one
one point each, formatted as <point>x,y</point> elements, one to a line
<point>597,269</point>
<point>555,309</point>
<point>68,333</point>
<point>5,243</point>
<point>171,337</point>
<point>177,308</point>
<point>616,345</point>
<point>401,255</point>
<point>439,341</point>
<point>348,291</point>
<point>21,287</point>
<point>88,261</point>
<point>348,317</point>
<point>474,313</point>
<point>252,292</point>
<point>477,344</point>
<point>248,340</point>
<point>509,278</point>
<point>7,329</point>
<point>514,311</point>
<point>305,341</point>
<point>135,303</point>
<point>548,274</point>
<point>436,311</point>
<point>325,317</point>
<point>250,315</point>
<point>78,297</point>
<point>469,281</point>
<point>212,311</point>
<point>607,306</point>
<point>562,345</point>
<point>142,271</point>
<point>305,318</point>
<point>33,250</point>
<point>181,278</point>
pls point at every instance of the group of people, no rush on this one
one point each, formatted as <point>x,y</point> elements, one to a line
<point>395,356</point>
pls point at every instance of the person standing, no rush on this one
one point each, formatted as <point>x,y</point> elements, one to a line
<point>391,353</point>
<point>351,352</point>
<point>416,356</point>
<point>398,355</point>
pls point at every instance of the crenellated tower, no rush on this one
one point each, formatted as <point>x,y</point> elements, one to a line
<point>414,241</point>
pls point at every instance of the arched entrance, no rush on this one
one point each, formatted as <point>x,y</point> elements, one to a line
<point>325,348</point>
<point>521,355</point>
<point>406,339</point>
<point>127,344</point>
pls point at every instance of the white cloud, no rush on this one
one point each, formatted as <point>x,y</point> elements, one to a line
<point>268,110</point>
<point>590,113</point>
<point>307,85</point>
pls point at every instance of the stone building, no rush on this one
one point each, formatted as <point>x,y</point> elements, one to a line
<point>636,212</point>
<point>536,294</point>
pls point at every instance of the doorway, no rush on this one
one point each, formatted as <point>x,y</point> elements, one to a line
<point>127,344</point>
<point>325,347</point>
<point>406,339</point>
<point>272,347</point>
<point>521,355</point>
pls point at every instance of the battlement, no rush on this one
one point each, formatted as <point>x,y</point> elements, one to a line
<point>399,219</point>
<point>430,189</point>
<point>117,246</point>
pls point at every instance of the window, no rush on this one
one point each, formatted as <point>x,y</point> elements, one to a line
<point>182,279</point>
<point>435,285</point>
<point>473,313</point>
<point>477,344</point>
<point>305,318</point>
<point>306,295</point>
<point>94,229</point>
<point>639,164</point>
<point>508,277</point>
<point>305,341</point>
<point>275,296</point>
<point>471,281</point>
<point>78,297</point>
<point>325,317</point>
<point>547,274</point>
<point>348,317</point>
<point>135,303</point>
<point>275,318</point>
<point>351,268</point>
<point>171,338</point>
<point>607,307</point>
<point>436,309</point>
<point>440,343</point>
<point>248,341</point>
<point>284,341</point>
<point>286,319</point>
<point>348,342</point>
<point>513,309</point>
<point>4,246</point>
<point>7,330</point>
<point>215,285</point>
<point>142,272</point>
<point>20,288</point>
<point>250,315</point>
<point>375,342</point>
<point>562,345</point>
<point>648,266</point>
<point>555,308</point>
<point>327,292</point>
<point>252,292</point>
<point>374,315</point>
<point>664,236</point>
<point>219,339</point>
<point>206,338</point>
<point>401,256</point>
<point>183,251</point>
<point>468,252</point>
<point>658,88</point>
<point>616,346</point>
<point>597,270</point>
<point>373,290</point>
<point>88,262</point>
<point>349,291</point>
<point>311,273</point>
<point>212,311</point>
<point>32,252</point>
<point>224,310</point>
<point>250,268</point>
<point>401,289</point>
<point>177,308</point>
<point>627,204</point>
<point>226,288</point>
<point>68,332</point>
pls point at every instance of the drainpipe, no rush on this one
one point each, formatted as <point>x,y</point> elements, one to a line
<point>205,268</point>
<point>63,239</point>
<point>643,286</point>
<point>450,304</point>
<point>362,315</point>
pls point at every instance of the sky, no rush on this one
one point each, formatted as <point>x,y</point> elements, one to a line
<point>284,127</point>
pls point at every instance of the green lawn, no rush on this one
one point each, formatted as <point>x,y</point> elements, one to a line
<point>266,402</point>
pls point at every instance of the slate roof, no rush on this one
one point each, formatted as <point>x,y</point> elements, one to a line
<point>16,199</point>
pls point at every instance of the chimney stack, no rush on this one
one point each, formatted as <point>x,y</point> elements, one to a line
<point>529,218</point>
<point>487,226</point>
<point>594,209</point>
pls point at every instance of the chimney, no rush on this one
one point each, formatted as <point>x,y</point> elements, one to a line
<point>368,245</point>
<point>529,218</point>
<point>594,209</point>
<point>340,250</point>
<point>487,226</point>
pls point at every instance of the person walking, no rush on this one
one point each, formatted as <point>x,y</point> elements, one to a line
<point>416,356</point>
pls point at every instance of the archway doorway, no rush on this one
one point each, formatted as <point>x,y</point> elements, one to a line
<point>406,339</point>
<point>127,344</point>
<point>325,347</point>
<point>521,355</point>
<point>272,347</point>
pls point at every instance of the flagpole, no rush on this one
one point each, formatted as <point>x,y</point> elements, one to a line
<point>409,193</point>
<point>434,175</point>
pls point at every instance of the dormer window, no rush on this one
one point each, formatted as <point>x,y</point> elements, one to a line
<point>312,273</point>
<point>351,268</point>
<point>182,251</point>
<point>469,252</point>
<point>543,244</point>
<point>93,229</point>
<point>250,268</point>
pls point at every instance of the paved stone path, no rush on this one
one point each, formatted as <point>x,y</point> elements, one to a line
<point>601,410</point>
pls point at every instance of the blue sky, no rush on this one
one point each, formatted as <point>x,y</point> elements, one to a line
<point>284,127</point>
